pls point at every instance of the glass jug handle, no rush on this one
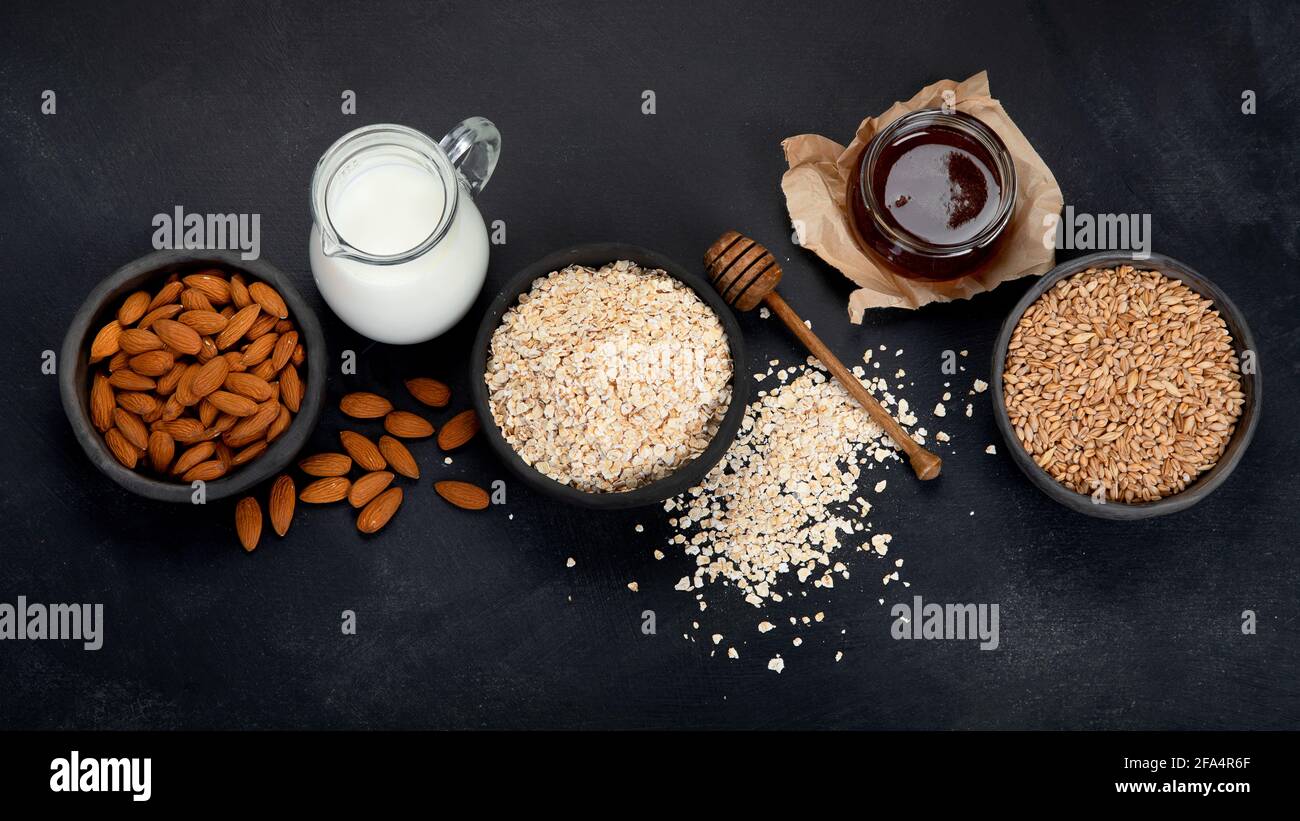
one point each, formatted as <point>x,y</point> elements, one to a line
<point>473,147</point>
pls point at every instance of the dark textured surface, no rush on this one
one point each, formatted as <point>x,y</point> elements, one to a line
<point>473,620</point>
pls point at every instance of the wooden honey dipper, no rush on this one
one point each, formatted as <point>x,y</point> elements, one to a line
<point>746,274</point>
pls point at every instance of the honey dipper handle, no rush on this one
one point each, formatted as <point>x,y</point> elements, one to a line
<point>924,463</point>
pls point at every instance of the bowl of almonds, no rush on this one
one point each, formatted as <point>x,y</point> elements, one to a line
<point>1126,388</point>
<point>193,366</point>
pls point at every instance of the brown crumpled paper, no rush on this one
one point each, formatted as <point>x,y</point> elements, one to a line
<point>814,193</point>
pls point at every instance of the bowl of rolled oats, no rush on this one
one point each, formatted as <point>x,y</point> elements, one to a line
<point>605,376</point>
<point>1126,388</point>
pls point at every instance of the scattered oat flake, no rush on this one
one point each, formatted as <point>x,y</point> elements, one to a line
<point>764,626</point>
<point>991,450</point>
<point>776,665</point>
<point>639,529</point>
<point>717,638</point>
<point>839,654</point>
<point>732,654</point>
<point>570,562</point>
<point>940,410</point>
<point>764,313</point>
<point>981,386</point>
<point>969,409</point>
<point>659,555</point>
<point>880,486</point>
<point>633,586</point>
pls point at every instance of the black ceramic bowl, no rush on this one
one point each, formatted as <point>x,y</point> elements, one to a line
<point>595,255</point>
<point>149,272</point>
<point>1241,435</point>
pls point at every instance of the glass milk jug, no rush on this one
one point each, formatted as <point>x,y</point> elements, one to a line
<point>398,249</point>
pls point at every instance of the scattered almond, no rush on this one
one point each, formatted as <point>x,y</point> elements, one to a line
<point>368,487</point>
<point>161,450</point>
<point>280,507</point>
<point>364,405</point>
<point>429,391</point>
<point>399,458</point>
<point>326,464</point>
<point>463,494</point>
<point>362,451</point>
<point>380,510</point>
<point>248,522</point>
<point>324,491</point>
<point>407,425</point>
<point>458,430</point>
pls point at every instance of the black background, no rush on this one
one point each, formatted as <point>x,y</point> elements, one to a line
<point>473,620</point>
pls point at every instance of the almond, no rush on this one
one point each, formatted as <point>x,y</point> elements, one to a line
<point>132,428</point>
<point>191,457</point>
<point>131,381</point>
<point>161,312</point>
<point>407,425</point>
<point>326,464</point>
<point>204,322</point>
<point>232,403</point>
<point>280,425</point>
<point>133,307</point>
<point>237,326</point>
<point>362,451</point>
<point>224,456</point>
<point>121,449</point>
<point>364,405</point>
<point>206,471</point>
<point>212,285</point>
<point>269,299</point>
<point>102,403</point>
<point>152,363</point>
<point>264,370</point>
<point>168,383</point>
<point>429,391</point>
<point>280,507</point>
<point>207,413</point>
<point>118,361</point>
<point>107,342</point>
<point>172,409</point>
<point>166,295</point>
<point>184,431</point>
<point>248,522</point>
<point>239,295</point>
<point>178,337</point>
<point>299,356</point>
<point>258,350</point>
<point>161,450</point>
<point>284,346</point>
<point>141,404</point>
<point>246,384</point>
<point>324,491</point>
<point>252,427</point>
<point>185,387</point>
<point>208,351</point>
<point>249,453</point>
<point>458,430</point>
<point>291,388</point>
<point>195,300</point>
<point>134,341</point>
<point>264,325</point>
<point>399,458</point>
<point>209,377</point>
<point>463,495</point>
<point>368,487</point>
<point>380,510</point>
